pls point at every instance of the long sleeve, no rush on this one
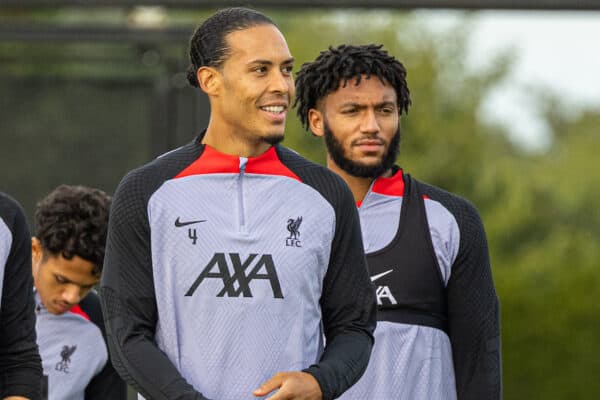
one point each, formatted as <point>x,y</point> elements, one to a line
<point>20,364</point>
<point>107,384</point>
<point>349,307</point>
<point>473,314</point>
<point>129,302</point>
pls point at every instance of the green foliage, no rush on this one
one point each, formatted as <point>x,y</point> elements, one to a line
<point>540,210</point>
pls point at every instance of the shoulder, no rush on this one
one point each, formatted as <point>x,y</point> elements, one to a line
<point>10,210</point>
<point>14,231</point>
<point>327,183</point>
<point>90,306</point>
<point>139,184</point>
<point>80,323</point>
<point>468,220</point>
<point>296,162</point>
<point>7,202</point>
<point>461,208</point>
<point>163,167</point>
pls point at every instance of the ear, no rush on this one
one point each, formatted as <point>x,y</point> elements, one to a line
<point>209,79</point>
<point>37,253</point>
<point>315,122</point>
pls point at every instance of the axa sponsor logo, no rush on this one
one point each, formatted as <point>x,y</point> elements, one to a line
<point>384,292</point>
<point>245,272</point>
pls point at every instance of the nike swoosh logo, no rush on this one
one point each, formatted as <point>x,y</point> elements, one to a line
<point>179,224</point>
<point>375,277</point>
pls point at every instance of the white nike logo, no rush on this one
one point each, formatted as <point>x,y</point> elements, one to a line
<point>375,277</point>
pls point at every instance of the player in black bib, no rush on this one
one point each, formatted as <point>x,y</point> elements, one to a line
<point>438,333</point>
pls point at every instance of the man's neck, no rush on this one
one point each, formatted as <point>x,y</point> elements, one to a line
<point>358,186</point>
<point>227,142</point>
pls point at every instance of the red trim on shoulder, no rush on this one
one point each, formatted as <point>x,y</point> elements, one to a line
<point>269,164</point>
<point>212,161</point>
<point>77,310</point>
<point>392,186</point>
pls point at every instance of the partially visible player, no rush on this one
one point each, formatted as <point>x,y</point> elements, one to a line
<point>20,368</point>
<point>438,331</point>
<point>67,257</point>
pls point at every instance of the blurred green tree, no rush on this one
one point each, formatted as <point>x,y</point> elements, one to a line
<point>540,209</point>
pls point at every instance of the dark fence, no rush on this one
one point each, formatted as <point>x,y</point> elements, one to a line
<point>86,113</point>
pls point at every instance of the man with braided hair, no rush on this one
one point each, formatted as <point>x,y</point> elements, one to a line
<point>229,259</point>
<point>67,255</point>
<point>438,321</point>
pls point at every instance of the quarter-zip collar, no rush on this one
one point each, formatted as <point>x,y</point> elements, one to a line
<point>212,161</point>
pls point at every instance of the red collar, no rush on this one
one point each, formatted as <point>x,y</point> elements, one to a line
<point>212,161</point>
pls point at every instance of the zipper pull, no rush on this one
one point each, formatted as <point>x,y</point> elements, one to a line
<point>243,162</point>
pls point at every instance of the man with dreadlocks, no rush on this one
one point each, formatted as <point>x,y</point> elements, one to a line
<point>438,322</point>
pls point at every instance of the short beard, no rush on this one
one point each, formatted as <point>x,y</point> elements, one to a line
<point>336,151</point>
<point>273,139</point>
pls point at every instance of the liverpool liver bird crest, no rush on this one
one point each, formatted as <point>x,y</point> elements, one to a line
<point>293,226</point>
<point>65,354</point>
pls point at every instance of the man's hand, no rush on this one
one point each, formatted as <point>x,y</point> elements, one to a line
<point>292,386</point>
<point>15,398</point>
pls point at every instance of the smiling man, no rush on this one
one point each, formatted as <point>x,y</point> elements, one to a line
<point>438,332</point>
<point>229,258</point>
<point>67,256</point>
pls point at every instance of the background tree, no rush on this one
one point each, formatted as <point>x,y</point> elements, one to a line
<point>88,112</point>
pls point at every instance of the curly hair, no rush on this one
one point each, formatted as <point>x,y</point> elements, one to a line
<point>336,66</point>
<point>73,221</point>
<point>208,46</point>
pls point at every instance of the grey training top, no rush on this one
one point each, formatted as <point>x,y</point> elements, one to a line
<point>223,270</point>
<point>423,351</point>
<point>74,354</point>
